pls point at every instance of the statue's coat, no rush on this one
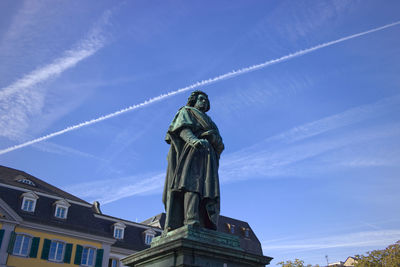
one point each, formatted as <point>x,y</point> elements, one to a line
<point>193,169</point>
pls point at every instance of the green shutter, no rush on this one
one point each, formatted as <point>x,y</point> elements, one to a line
<point>78,255</point>
<point>34,247</point>
<point>11,243</point>
<point>1,236</point>
<point>67,254</point>
<point>46,249</point>
<point>99,257</point>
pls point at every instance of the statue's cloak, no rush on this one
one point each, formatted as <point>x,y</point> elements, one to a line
<point>193,169</point>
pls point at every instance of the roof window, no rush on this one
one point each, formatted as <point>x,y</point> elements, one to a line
<point>29,201</point>
<point>231,228</point>
<point>148,236</point>
<point>246,232</point>
<point>61,209</point>
<point>119,230</point>
<point>24,180</point>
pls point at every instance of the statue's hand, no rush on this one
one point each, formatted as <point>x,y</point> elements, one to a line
<point>201,143</point>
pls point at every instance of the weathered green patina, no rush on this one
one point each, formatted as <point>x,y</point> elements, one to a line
<point>191,192</point>
<point>190,232</point>
<point>191,246</point>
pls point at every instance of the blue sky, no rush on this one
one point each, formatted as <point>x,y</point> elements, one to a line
<point>310,121</point>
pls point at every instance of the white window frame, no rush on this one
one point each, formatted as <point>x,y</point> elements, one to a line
<point>27,206</point>
<point>61,212</point>
<point>149,234</point>
<point>119,226</point>
<point>118,233</point>
<point>61,204</point>
<point>29,196</point>
<point>112,260</point>
<point>148,238</point>
<point>55,253</point>
<point>24,236</point>
<point>94,256</point>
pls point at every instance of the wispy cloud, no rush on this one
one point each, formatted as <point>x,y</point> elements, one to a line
<point>21,23</point>
<point>25,98</point>
<point>86,48</point>
<point>64,150</point>
<point>351,116</point>
<point>280,155</point>
<point>198,84</point>
<point>260,93</point>
<point>314,156</point>
<point>381,238</point>
<point>107,191</point>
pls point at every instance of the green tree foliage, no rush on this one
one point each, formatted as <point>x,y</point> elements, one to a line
<point>295,263</point>
<point>388,257</point>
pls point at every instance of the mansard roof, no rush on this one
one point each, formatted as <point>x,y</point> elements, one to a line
<point>82,218</point>
<point>20,179</point>
<point>250,243</point>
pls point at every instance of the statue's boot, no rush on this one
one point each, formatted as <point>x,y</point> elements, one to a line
<point>191,209</point>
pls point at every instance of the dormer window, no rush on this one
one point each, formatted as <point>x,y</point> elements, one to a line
<point>148,239</point>
<point>119,233</point>
<point>22,179</point>
<point>148,236</point>
<point>28,205</point>
<point>246,232</point>
<point>29,201</point>
<point>119,230</point>
<point>61,209</point>
<point>231,228</point>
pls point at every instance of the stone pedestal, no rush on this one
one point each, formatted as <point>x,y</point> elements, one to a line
<point>193,246</point>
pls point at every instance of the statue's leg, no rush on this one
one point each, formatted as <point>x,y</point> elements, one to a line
<point>174,211</point>
<point>191,210</point>
<point>210,210</point>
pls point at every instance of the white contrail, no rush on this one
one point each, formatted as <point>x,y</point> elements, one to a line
<point>198,84</point>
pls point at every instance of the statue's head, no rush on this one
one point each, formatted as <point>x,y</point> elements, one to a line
<point>199,100</point>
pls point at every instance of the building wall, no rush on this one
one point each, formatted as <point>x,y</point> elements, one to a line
<point>350,262</point>
<point>19,261</point>
<point>1,234</point>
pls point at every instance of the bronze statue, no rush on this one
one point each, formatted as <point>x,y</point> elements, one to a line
<point>191,192</point>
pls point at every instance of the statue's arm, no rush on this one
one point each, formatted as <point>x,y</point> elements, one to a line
<point>215,139</point>
<point>187,135</point>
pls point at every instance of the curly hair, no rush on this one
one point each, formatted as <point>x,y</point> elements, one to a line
<point>193,98</point>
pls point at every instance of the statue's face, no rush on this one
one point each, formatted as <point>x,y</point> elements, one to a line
<point>201,103</point>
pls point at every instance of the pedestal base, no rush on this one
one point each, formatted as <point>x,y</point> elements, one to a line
<point>192,246</point>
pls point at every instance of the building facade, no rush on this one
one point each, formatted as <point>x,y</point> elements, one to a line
<point>41,225</point>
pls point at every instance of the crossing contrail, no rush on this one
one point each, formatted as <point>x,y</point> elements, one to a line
<point>195,85</point>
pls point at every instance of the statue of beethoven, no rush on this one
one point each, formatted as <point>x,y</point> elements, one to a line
<point>191,192</point>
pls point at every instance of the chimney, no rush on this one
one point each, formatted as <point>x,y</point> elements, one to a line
<point>96,207</point>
